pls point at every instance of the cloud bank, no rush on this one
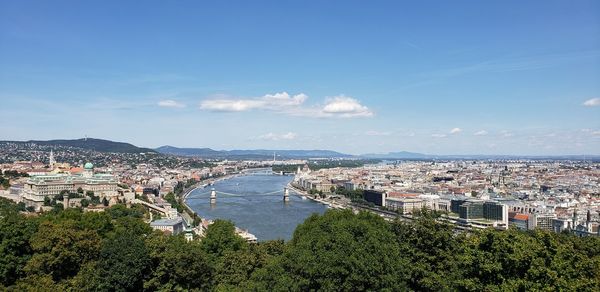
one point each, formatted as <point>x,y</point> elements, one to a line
<point>592,102</point>
<point>455,131</point>
<point>337,106</point>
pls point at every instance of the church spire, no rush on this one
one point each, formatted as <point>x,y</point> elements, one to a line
<point>52,161</point>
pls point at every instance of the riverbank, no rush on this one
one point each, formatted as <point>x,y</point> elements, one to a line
<point>305,194</point>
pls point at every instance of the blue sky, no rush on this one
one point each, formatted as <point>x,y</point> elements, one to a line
<point>439,77</point>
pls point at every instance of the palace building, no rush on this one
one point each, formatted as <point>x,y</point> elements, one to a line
<point>41,186</point>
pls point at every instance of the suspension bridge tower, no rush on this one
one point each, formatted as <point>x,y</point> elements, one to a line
<point>286,195</point>
<point>213,196</point>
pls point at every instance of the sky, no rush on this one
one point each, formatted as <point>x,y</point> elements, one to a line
<point>436,77</point>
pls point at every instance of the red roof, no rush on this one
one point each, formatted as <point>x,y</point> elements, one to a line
<point>521,217</point>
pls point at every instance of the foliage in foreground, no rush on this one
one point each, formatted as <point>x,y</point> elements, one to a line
<point>116,251</point>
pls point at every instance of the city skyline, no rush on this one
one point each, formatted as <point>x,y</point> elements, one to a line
<point>346,76</point>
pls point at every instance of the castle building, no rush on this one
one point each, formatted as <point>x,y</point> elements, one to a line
<point>38,187</point>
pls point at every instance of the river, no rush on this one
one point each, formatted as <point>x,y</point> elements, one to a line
<point>265,216</point>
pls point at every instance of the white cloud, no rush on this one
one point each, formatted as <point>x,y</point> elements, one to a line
<point>229,105</point>
<point>339,106</point>
<point>438,135</point>
<point>276,102</point>
<point>455,131</point>
<point>171,103</point>
<point>276,137</point>
<point>481,133</point>
<point>344,106</point>
<point>284,99</point>
<point>592,102</point>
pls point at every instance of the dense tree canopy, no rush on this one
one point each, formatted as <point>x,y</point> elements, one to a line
<point>71,250</point>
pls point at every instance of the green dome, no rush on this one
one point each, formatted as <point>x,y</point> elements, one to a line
<point>88,166</point>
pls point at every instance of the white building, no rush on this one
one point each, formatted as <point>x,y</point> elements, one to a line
<point>173,226</point>
<point>38,187</point>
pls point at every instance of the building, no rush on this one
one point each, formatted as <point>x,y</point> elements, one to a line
<point>173,226</point>
<point>37,188</point>
<point>560,224</point>
<point>405,205</point>
<point>541,221</point>
<point>375,197</point>
<point>476,213</point>
<point>520,221</point>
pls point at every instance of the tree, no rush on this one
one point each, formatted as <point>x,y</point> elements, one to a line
<point>85,203</point>
<point>221,237</point>
<point>15,233</point>
<point>105,202</point>
<point>61,248</point>
<point>178,265</point>
<point>123,263</point>
<point>434,250</point>
<point>339,251</point>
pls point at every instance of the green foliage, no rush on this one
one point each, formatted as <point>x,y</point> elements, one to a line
<point>60,249</point>
<point>15,249</point>
<point>4,182</point>
<point>341,251</point>
<point>353,195</point>
<point>14,174</point>
<point>115,250</point>
<point>177,264</point>
<point>170,197</point>
<point>120,210</point>
<point>85,203</point>
<point>221,238</point>
<point>123,264</point>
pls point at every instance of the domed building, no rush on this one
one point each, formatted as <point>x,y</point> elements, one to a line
<point>88,169</point>
<point>41,186</point>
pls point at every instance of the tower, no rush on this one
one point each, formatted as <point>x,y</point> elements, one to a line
<point>88,169</point>
<point>286,195</point>
<point>52,162</point>
<point>213,196</point>
<point>588,221</point>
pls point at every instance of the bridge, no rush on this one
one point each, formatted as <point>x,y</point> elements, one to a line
<point>284,193</point>
<point>255,172</point>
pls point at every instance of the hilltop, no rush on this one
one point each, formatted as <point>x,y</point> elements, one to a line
<point>90,144</point>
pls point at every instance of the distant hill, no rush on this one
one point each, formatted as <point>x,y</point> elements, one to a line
<point>250,154</point>
<point>92,144</point>
<point>397,155</point>
<point>187,151</point>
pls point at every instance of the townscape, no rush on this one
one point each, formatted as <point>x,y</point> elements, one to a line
<point>527,194</point>
<point>299,145</point>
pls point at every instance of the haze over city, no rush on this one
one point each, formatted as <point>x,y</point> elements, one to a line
<point>459,77</point>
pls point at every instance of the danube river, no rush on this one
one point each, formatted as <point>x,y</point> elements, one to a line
<point>251,204</point>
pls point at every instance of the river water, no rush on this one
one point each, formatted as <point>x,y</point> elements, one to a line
<point>250,206</point>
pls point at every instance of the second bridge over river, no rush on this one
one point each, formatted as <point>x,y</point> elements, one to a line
<point>284,193</point>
